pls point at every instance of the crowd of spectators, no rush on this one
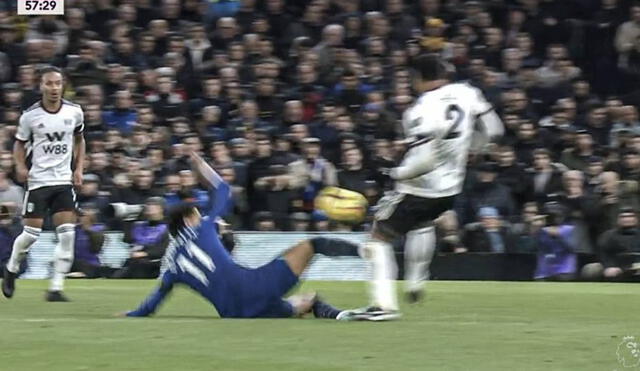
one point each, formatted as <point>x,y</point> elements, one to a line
<point>287,97</point>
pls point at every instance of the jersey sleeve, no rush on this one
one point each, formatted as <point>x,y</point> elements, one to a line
<point>153,301</point>
<point>79,129</point>
<point>480,105</point>
<point>23,133</point>
<point>219,194</point>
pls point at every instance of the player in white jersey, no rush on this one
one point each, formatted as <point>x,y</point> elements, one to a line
<point>49,156</point>
<point>440,129</point>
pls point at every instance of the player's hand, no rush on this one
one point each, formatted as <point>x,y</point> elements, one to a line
<point>77,178</point>
<point>22,174</point>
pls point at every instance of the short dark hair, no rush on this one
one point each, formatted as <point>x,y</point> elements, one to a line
<point>177,215</point>
<point>430,67</point>
<point>48,69</point>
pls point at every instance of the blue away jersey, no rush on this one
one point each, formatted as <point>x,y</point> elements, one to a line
<point>198,259</point>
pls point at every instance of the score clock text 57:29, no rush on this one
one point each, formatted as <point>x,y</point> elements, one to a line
<point>40,7</point>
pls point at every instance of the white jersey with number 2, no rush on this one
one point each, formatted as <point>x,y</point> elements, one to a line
<point>443,120</point>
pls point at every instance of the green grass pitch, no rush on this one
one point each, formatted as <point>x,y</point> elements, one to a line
<point>461,326</point>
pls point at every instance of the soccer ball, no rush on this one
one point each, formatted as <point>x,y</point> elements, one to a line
<point>342,205</point>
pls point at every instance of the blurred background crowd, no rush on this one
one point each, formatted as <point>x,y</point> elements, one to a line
<point>287,97</point>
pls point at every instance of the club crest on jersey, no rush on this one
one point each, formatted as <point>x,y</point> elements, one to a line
<point>41,125</point>
<point>67,122</point>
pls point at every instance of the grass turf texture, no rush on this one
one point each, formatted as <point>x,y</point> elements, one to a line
<point>461,326</point>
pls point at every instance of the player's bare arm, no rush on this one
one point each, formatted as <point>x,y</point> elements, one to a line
<point>79,149</point>
<point>20,160</point>
<point>204,171</point>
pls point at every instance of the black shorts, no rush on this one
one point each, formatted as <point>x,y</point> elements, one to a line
<point>52,199</point>
<point>398,213</point>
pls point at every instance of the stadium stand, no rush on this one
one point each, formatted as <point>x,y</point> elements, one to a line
<point>285,98</point>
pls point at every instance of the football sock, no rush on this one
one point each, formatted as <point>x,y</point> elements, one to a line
<point>385,270</point>
<point>63,255</point>
<point>419,248</point>
<point>324,310</point>
<point>21,247</point>
<point>333,247</point>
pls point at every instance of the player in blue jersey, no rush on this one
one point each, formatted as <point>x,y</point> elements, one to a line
<point>197,258</point>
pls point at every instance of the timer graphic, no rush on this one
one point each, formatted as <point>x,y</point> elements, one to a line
<point>40,7</point>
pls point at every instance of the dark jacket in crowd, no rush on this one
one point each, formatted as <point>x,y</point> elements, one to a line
<point>88,244</point>
<point>148,236</point>
<point>478,239</point>
<point>616,243</point>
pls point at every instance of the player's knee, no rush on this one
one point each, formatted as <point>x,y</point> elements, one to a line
<point>383,232</point>
<point>30,234</point>
<point>66,235</point>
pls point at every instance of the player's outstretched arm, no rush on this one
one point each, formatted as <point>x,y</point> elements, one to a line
<point>151,303</point>
<point>219,190</point>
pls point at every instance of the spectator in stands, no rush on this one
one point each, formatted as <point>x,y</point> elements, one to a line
<point>617,246</point>
<point>598,124</point>
<point>485,192</point>
<point>299,222</point>
<point>489,234</point>
<point>271,183</point>
<point>346,71</point>
<point>627,121</point>
<point>149,239</point>
<point>90,193</point>
<point>11,195</point>
<point>10,228</point>
<point>528,140</point>
<point>526,228</point>
<point>628,32</point>
<point>172,187</point>
<point>556,247</point>
<point>545,178</point>
<point>353,175</point>
<point>579,207</point>
<point>577,158</point>
<point>264,222</point>
<point>321,172</point>
<point>166,102</point>
<point>88,244</point>
<point>511,173</point>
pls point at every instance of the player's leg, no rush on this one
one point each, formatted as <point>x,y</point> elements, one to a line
<point>297,259</point>
<point>64,218</point>
<point>299,256</point>
<point>419,248</point>
<point>391,221</point>
<point>420,244</point>
<point>379,251</point>
<point>33,217</point>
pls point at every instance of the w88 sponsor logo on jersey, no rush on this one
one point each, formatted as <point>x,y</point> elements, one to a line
<point>56,148</point>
